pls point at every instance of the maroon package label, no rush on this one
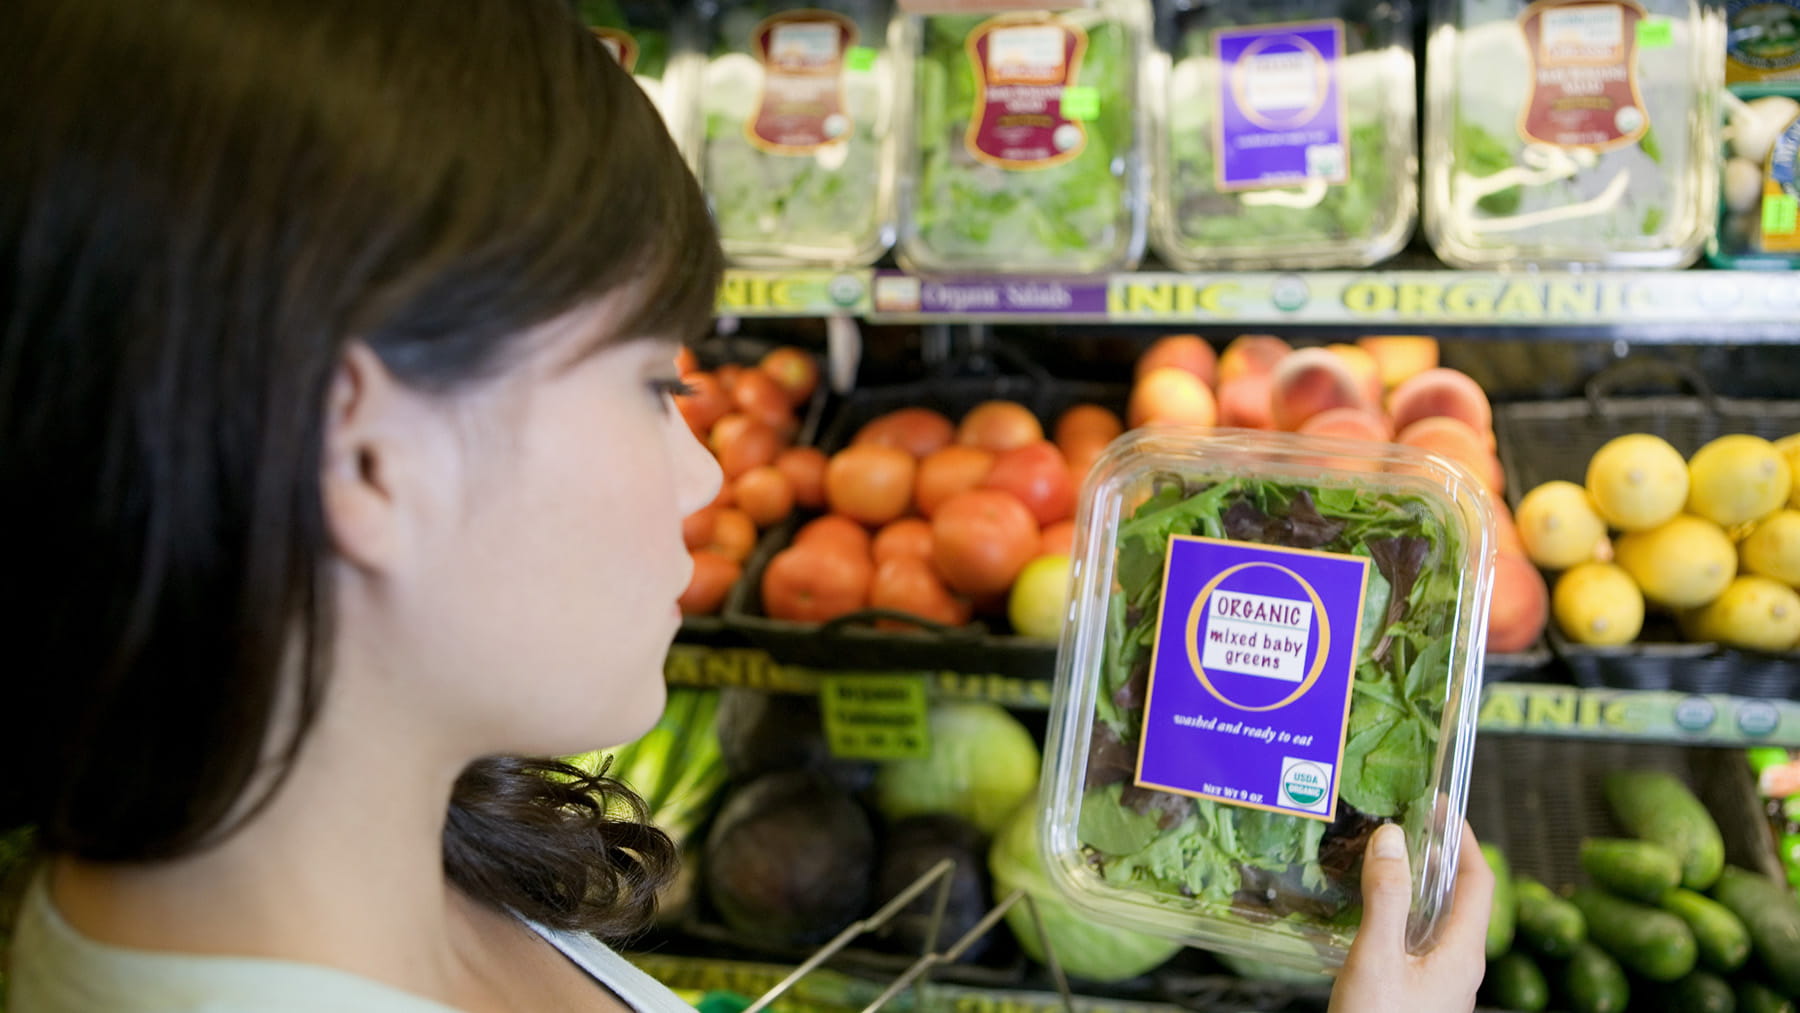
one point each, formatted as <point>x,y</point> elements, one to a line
<point>1023,65</point>
<point>621,45</point>
<point>801,107</point>
<point>1584,90</point>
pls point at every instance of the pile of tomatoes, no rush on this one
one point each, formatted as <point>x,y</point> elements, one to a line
<point>747,416</point>
<point>936,518</point>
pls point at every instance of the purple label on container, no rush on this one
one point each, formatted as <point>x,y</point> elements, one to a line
<point>896,292</point>
<point>1282,118</point>
<point>1251,674</point>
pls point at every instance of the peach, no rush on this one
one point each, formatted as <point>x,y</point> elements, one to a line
<point>1251,355</point>
<point>1310,381</point>
<point>1453,438</point>
<point>1182,351</point>
<point>1521,605</point>
<point>1362,366</point>
<point>1171,396</point>
<point>1400,357</point>
<point>1445,392</point>
<point>1348,424</point>
<point>1244,402</point>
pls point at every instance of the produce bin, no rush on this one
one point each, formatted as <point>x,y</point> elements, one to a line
<point>1541,441</point>
<point>851,642</point>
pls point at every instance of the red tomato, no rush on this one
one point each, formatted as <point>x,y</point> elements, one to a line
<point>697,527</point>
<point>981,539</point>
<point>760,397</point>
<point>995,426</point>
<point>1058,540</point>
<point>909,584</point>
<point>1086,422</point>
<point>706,405</point>
<point>870,483</point>
<point>956,468</point>
<point>908,536</point>
<point>733,534</point>
<point>751,445</point>
<point>712,580</point>
<point>793,371</point>
<point>835,530</point>
<point>1081,453</point>
<point>686,361</point>
<point>815,582</point>
<point>1187,352</point>
<point>765,495</point>
<point>918,431</point>
<point>805,471</point>
<point>1037,474</point>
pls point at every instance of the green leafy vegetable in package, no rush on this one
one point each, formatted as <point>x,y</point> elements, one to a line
<point>1354,206</point>
<point>1026,163</point>
<point>797,102</point>
<point>1253,866</point>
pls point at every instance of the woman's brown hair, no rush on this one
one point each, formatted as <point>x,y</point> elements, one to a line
<point>201,203</point>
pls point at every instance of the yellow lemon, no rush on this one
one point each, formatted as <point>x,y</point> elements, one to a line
<point>1682,564</point>
<point>1790,450</point>
<point>1637,482</point>
<point>1754,613</point>
<point>1773,547</point>
<point>1039,602</point>
<point>1737,478</point>
<point>1559,525</point>
<point>1598,603</point>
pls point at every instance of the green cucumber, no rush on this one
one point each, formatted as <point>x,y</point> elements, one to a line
<point>1700,992</point>
<point>1657,807</point>
<point>1756,997</point>
<point>1595,982</point>
<point>1502,921</point>
<point>1515,983</point>
<point>1640,870</point>
<point>1772,915</point>
<point>1723,940</point>
<point>1650,941</point>
<point>1547,923</point>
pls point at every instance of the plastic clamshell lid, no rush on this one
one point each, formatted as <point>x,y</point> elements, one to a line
<point>1330,184</point>
<point>1624,174</point>
<point>1217,678</point>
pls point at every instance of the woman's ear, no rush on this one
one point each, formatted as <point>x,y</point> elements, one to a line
<point>360,465</point>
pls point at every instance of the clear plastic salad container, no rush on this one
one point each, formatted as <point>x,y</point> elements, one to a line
<point>1024,152</point>
<point>1283,134</point>
<point>654,40</point>
<point>1275,646</point>
<point>797,145</point>
<point>1572,132</point>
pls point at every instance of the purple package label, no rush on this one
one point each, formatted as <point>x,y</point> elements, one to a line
<point>1282,118</point>
<point>1251,673</point>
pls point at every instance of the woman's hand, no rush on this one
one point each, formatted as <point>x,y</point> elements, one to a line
<point>1380,975</point>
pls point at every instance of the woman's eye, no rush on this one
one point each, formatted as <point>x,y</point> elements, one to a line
<point>671,387</point>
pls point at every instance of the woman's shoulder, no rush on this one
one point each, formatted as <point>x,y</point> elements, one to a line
<point>55,969</point>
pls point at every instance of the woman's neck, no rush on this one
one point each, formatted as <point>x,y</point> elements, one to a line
<point>343,868</point>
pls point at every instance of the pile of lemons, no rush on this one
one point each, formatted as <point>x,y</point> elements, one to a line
<point>1714,539</point>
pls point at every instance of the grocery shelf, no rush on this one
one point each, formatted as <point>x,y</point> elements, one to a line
<point>1666,306</point>
<point>1506,707</point>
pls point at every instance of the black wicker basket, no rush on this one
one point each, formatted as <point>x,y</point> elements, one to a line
<point>1547,440</point>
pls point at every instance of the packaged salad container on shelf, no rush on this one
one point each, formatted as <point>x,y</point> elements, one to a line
<point>1024,150</point>
<point>1283,133</point>
<point>1759,193</point>
<point>1275,646</point>
<point>797,146</point>
<point>654,41</point>
<point>1572,132</point>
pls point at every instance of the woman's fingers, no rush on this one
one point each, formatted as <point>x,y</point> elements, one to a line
<point>1473,899</point>
<point>1387,890</point>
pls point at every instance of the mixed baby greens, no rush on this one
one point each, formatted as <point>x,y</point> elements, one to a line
<point>1252,864</point>
<point>829,206</point>
<point>1076,216</point>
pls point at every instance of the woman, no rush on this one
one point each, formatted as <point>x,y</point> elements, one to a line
<point>336,348</point>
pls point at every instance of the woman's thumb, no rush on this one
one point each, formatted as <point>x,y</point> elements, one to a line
<point>1387,888</point>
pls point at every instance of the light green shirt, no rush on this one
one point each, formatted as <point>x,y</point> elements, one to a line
<point>55,969</point>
